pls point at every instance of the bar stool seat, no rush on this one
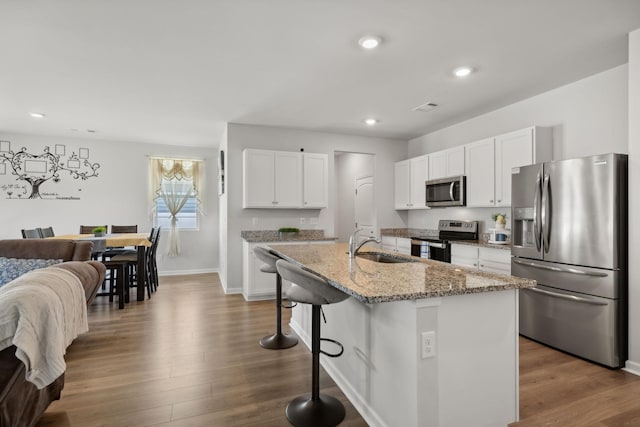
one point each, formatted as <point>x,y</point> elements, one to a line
<point>277,341</point>
<point>313,409</point>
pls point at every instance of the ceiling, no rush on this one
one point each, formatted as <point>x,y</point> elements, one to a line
<point>174,72</point>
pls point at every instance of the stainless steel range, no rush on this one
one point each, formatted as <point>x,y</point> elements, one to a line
<point>438,245</point>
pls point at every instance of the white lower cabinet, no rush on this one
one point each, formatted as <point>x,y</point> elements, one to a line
<point>482,259</point>
<point>257,285</point>
<point>402,245</point>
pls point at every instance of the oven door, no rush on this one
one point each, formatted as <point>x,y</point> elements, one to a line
<point>440,251</point>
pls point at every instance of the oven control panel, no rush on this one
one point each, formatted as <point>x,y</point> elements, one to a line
<point>463,226</point>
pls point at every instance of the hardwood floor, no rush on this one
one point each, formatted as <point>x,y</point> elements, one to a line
<point>190,357</point>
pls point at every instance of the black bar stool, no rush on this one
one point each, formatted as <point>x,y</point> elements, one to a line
<point>313,409</point>
<point>277,341</point>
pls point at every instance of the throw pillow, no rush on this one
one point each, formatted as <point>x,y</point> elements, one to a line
<point>11,268</point>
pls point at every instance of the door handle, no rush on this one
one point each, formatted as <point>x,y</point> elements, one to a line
<point>451,191</point>
<point>536,208</point>
<point>560,270</point>
<point>567,297</point>
<point>546,213</point>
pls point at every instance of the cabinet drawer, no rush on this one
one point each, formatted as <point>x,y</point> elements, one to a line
<point>496,255</point>
<point>403,244</point>
<point>388,241</point>
<point>464,251</point>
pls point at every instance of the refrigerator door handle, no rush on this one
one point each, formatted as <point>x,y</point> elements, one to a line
<point>567,297</point>
<point>451,191</point>
<point>560,270</point>
<point>536,208</point>
<point>545,214</point>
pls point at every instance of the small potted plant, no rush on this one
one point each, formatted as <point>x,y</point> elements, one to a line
<point>500,219</point>
<point>288,232</point>
<point>99,231</point>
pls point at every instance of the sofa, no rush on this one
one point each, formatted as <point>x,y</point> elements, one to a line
<point>21,402</point>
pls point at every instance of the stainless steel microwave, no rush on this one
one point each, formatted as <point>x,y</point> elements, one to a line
<point>449,191</point>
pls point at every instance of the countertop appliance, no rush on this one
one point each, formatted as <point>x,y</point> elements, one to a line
<point>437,246</point>
<point>446,191</point>
<point>569,233</point>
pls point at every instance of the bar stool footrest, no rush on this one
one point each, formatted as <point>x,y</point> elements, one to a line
<point>327,411</point>
<point>339,344</point>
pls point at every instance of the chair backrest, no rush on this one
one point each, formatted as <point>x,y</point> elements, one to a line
<point>46,232</point>
<point>33,233</point>
<point>88,229</point>
<point>124,229</point>
<point>266,256</point>
<point>308,288</point>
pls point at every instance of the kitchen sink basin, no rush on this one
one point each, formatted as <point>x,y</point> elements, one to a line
<point>384,257</point>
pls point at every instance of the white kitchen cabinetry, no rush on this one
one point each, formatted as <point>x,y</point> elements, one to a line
<point>402,245</point>
<point>258,285</point>
<point>446,163</point>
<point>281,179</point>
<point>315,169</point>
<point>481,258</point>
<point>480,161</point>
<point>489,163</point>
<point>409,185</point>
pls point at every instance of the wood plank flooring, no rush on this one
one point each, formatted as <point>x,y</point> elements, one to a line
<point>190,357</point>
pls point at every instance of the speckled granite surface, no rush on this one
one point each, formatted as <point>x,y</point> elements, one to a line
<point>433,234</point>
<point>275,236</point>
<point>374,282</point>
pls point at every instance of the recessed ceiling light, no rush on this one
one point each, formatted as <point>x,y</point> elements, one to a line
<point>37,115</point>
<point>371,121</point>
<point>370,42</point>
<point>462,71</point>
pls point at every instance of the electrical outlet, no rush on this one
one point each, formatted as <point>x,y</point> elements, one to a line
<point>428,344</point>
<point>303,221</point>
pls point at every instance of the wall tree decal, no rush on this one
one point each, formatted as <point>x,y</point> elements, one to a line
<point>36,169</point>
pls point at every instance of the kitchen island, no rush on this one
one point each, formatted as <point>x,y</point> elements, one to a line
<point>426,343</point>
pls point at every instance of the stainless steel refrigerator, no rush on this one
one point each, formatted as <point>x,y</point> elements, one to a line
<point>569,233</point>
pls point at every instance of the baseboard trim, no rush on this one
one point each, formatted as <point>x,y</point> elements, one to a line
<point>187,272</point>
<point>632,367</point>
<point>365,411</point>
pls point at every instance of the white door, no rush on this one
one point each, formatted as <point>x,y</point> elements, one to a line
<point>365,210</point>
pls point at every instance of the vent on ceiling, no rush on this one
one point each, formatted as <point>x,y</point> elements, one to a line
<point>429,106</point>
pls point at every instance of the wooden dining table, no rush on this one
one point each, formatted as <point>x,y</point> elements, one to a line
<point>139,240</point>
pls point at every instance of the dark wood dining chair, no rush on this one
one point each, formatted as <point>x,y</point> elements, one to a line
<point>113,251</point>
<point>33,233</point>
<point>88,229</point>
<point>150,272</point>
<point>115,229</point>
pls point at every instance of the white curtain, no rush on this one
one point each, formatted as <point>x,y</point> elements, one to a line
<point>175,181</point>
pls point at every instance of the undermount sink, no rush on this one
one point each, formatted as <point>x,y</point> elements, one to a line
<point>383,257</point>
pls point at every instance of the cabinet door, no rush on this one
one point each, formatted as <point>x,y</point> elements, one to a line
<point>419,171</point>
<point>480,173</point>
<point>512,150</point>
<point>455,161</point>
<point>259,179</point>
<point>402,184</point>
<point>403,245</point>
<point>494,260</point>
<point>288,179</point>
<point>437,165</point>
<point>465,256</point>
<point>316,181</point>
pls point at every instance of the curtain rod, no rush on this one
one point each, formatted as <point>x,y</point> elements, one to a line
<point>175,158</point>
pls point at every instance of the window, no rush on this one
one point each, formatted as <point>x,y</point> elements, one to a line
<point>187,217</point>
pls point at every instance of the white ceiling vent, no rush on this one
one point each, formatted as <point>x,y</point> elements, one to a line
<point>429,106</point>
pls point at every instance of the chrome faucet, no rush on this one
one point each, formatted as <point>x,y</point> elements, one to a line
<point>354,247</point>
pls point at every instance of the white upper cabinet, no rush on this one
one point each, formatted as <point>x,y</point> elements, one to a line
<point>446,163</point>
<point>489,163</point>
<point>315,168</point>
<point>480,173</point>
<point>409,185</point>
<point>520,148</point>
<point>281,179</point>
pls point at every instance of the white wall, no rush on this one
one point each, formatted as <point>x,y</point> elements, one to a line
<point>634,202</point>
<point>588,117</point>
<point>117,196</point>
<point>386,151</point>
<point>349,167</point>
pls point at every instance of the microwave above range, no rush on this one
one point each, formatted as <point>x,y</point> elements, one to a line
<point>449,191</point>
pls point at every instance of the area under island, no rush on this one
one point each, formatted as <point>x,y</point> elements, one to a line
<point>426,343</point>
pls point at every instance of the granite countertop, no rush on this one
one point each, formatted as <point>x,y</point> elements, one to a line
<point>419,233</point>
<point>274,236</point>
<point>374,282</point>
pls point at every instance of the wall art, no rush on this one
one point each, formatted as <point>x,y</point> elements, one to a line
<point>32,171</point>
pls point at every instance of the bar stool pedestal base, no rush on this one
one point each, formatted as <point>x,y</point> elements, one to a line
<point>327,411</point>
<point>278,341</point>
